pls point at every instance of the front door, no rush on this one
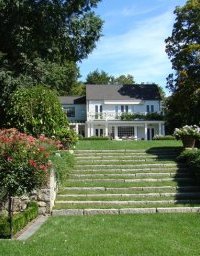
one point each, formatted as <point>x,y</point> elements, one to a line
<point>99,132</point>
<point>150,133</point>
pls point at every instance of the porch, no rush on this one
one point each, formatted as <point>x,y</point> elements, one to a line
<point>136,130</point>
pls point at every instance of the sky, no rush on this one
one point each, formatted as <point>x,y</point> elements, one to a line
<point>133,40</point>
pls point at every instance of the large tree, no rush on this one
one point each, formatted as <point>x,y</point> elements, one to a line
<point>183,48</point>
<point>102,77</point>
<point>41,42</point>
<point>56,30</point>
<point>98,77</point>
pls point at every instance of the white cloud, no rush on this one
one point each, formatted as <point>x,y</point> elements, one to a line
<point>140,51</point>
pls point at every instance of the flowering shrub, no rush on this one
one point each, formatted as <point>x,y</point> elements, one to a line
<point>67,137</point>
<point>24,161</point>
<point>192,130</point>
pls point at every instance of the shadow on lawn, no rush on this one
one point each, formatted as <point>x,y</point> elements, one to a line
<point>186,183</point>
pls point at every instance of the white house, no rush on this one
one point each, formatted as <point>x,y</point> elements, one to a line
<point>119,111</point>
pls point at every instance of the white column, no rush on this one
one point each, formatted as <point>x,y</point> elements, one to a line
<point>145,131</point>
<point>163,129</point>
<point>136,132</point>
<point>91,130</point>
<point>160,129</point>
<point>76,127</point>
<point>106,129</point>
<point>116,132</point>
<point>88,129</point>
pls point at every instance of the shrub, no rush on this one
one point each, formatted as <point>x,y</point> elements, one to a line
<point>192,159</point>
<point>37,110</point>
<point>63,162</point>
<point>161,137</point>
<point>67,137</point>
<point>148,116</point>
<point>20,220</point>
<point>187,130</point>
<point>24,161</point>
<point>96,138</point>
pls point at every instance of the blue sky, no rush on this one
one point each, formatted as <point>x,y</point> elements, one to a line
<point>133,39</point>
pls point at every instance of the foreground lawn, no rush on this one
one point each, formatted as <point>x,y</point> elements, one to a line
<point>112,144</point>
<point>138,235</point>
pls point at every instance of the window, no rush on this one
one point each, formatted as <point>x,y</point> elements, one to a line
<point>125,131</point>
<point>124,108</point>
<point>150,108</point>
<point>98,111</point>
<point>70,111</point>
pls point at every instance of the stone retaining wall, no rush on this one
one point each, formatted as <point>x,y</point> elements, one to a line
<point>45,198</point>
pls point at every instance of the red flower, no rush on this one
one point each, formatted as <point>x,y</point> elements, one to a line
<point>32,163</point>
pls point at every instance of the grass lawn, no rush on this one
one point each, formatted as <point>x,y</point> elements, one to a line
<point>112,144</point>
<point>142,235</point>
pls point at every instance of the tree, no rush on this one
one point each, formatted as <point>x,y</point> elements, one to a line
<point>98,77</point>
<point>57,30</point>
<point>101,77</point>
<point>124,79</point>
<point>183,48</point>
<point>41,42</point>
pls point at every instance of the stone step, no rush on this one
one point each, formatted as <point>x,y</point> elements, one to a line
<point>131,170</point>
<point>111,157</point>
<point>124,190</point>
<point>126,202</point>
<point>129,175</point>
<point>113,211</point>
<point>131,180</point>
<point>151,151</point>
<point>183,195</point>
<point>150,165</point>
<point>117,161</point>
<point>124,161</point>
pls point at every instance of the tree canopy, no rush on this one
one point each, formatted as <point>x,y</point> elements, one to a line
<point>57,30</point>
<point>183,49</point>
<point>102,77</point>
<point>42,41</point>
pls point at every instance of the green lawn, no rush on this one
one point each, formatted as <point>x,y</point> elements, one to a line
<point>112,144</point>
<point>138,235</point>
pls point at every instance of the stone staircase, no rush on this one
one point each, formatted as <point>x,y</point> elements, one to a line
<point>127,182</point>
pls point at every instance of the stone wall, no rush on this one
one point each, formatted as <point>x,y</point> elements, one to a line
<point>45,198</point>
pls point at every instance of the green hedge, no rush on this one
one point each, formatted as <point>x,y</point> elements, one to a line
<point>167,137</point>
<point>20,220</point>
<point>96,138</point>
<point>192,159</point>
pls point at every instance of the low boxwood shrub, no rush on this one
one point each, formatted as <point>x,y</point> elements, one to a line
<point>166,137</point>
<point>96,138</point>
<point>20,220</point>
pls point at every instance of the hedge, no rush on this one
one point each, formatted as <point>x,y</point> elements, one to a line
<point>192,159</point>
<point>95,138</point>
<point>166,137</point>
<point>20,220</point>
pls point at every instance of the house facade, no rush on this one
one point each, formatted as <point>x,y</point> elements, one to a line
<point>118,111</point>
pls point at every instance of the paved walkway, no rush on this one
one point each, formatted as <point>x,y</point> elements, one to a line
<point>28,232</point>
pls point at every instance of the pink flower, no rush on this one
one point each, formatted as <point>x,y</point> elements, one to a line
<point>9,159</point>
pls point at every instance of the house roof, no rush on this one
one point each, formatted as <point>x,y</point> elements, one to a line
<point>123,92</point>
<point>72,99</point>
